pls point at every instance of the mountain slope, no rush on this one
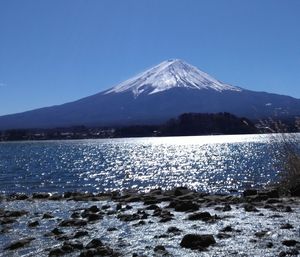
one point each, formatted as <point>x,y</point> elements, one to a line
<point>160,93</point>
<point>170,74</point>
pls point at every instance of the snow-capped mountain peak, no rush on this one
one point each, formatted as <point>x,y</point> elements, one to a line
<point>171,74</point>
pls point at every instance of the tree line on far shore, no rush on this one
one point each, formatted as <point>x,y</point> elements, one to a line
<point>186,124</point>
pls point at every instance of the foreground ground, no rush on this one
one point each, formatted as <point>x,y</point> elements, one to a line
<point>179,222</point>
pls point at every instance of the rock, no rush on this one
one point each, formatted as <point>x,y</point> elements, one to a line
<point>47,216</point>
<point>282,254</point>
<point>258,198</point>
<point>94,243</point>
<point>134,198</point>
<point>227,229</point>
<point>165,219</point>
<point>128,217</point>
<point>5,221</point>
<point>272,193</point>
<point>295,191</point>
<point>40,195</point>
<point>55,197</point>
<point>156,191</point>
<point>181,191</point>
<point>64,237</point>
<point>276,216</point>
<point>249,192</point>
<point>73,245</point>
<point>112,229</point>
<point>159,248</point>
<point>157,212</point>
<point>164,214</point>
<point>270,207</point>
<point>197,242</point>
<point>173,230</point>
<point>111,212</point>
<point>289,242</point>
<point>137,255</point>
<point>204,216</point>
<point>293,252</point>
<point>105,207</point>
<point>33,224</point>
<point>94,216</point>
<point>118,206</point>
<point>56,232</point>
<point>19,243</point>
<point>81,233</point>
<point>94,208</point>
<point>73,222</point>
<point>81,196</point>
<point>286,226</point>
<point>223,236</point>
<point>161,236</point>
<point>273,200</point>
<point>67,248</point>
<point>152,207</point>
<point>99,251</point>
<point>151,201</point>
<point>56,252</point>
<point>105,251</point>
<point>140,223</point>
<point>288,209</point>
<point>250,208</point>
<point>164,199</point>
<point>218,208</point>
<point>189,196</point>
<point>227,207</point>
<point>264,195</point>
<point>75,215</point>
<point>67,194</point>
<point>184,206</point>
<point>210,204</point>
<point>269,245</point>
<point>143,215</point>
<point>14,214</point>
<point>88,253</point>
<point>260,234</point>
<point>5,229</point>
<point>18,196</point>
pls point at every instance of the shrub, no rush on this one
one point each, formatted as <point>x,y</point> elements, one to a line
<point>285,148</point>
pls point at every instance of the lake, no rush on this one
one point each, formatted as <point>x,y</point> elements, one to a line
<point>205,163</point>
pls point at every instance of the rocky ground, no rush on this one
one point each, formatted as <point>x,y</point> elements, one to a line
<point>179,222</point>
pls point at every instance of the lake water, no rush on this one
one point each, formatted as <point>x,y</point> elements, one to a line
<point>206,163</point>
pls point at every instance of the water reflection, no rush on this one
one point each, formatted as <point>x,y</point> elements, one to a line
<point>208,163</point>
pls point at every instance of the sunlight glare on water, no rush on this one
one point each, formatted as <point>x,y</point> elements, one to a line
<point>206,163</point>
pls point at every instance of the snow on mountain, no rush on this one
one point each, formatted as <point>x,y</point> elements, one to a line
<point>170,74</point>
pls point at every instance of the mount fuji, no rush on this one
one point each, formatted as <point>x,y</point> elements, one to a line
<point>165,91</point>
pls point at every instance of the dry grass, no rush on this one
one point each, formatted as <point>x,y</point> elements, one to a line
<point>285,147</point>
<point>290,162</point>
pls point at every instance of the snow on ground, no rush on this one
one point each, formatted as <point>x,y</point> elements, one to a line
<point>253,233</point>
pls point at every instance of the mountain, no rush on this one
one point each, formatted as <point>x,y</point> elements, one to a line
<point>169,75</point>
<point>167,90</point>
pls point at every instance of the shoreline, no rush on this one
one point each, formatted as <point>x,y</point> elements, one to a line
<point>87,224</point>
<point>141,136</point>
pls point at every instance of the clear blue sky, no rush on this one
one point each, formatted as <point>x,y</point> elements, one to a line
<point>55,51</point>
